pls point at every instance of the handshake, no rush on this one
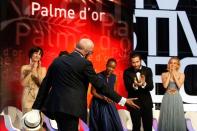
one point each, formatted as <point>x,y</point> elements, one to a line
<point>32,120</point>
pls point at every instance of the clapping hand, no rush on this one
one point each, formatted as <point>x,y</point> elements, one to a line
<point>143,79</point>
<point>172,71</point>
<point>130,102</point>
<point>137,82</point>
<point>140,82</point>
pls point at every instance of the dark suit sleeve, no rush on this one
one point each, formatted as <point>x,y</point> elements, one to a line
<point>99,84</point>
<point>128,81</point>
<point>44,89</point>
<point>149,80</point>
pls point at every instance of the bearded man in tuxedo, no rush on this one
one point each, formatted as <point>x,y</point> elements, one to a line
<point>138,82</point>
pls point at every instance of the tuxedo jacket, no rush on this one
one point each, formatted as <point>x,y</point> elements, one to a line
<point>143,94</point>
<point>64,88</point>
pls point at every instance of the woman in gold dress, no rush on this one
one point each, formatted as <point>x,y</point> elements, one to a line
<point>32,75</point>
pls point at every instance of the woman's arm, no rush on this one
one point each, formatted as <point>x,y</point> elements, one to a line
<point>38,78</point>
<point>179,78</point>
<point>95,94</point>
<point>165,77</point>
<point>115,85</point>
<point>25,75</point>
<point>38,73</point>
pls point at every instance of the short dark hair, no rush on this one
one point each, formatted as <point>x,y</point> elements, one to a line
<point>111,60</point>
<point>35,49</point>
<point>63,53</point>
<point>135,54</point>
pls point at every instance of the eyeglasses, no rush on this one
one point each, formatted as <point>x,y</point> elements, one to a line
<point>90,52</point>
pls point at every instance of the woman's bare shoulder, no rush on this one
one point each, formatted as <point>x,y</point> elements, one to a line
<point>25,67</point>
<point>182,74</point>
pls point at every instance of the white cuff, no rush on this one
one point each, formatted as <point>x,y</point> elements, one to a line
<point>122,101</point>
<point>36,110</point>
<point>143,86</point>
<point>135,87</point>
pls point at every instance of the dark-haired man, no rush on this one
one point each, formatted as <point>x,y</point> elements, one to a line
<point>138,82</point>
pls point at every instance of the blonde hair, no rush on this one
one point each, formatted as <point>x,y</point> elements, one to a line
<point>173,58</point>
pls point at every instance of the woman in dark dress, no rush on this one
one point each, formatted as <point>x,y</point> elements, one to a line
<point>103,113</point>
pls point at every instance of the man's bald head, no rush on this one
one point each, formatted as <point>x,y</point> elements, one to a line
<point>85,46</point>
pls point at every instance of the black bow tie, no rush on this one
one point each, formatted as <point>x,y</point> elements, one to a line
<point>138,70</point>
